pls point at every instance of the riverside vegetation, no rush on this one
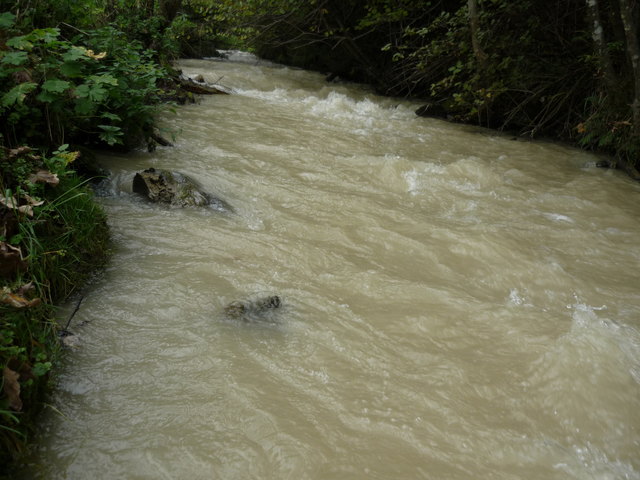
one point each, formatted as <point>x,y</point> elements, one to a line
<point>91,73</point>
<point>565,70</point>
<point>59,86</point>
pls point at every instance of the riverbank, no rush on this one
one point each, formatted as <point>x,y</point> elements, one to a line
<point>570,74</point>
<point>613,161</point>
<point>54,237</point>
<point>58,86</point>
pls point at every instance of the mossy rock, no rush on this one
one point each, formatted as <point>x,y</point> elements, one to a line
<point>164,186</point>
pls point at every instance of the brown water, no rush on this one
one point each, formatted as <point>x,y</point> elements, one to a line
<point>456,304</point>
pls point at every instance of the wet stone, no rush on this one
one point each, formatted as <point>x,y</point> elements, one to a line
<point>164,186</point>
<point>260,309</point>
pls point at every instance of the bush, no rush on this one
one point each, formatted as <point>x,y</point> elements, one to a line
<point>100,88</point>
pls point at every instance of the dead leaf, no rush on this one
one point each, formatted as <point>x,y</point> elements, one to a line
<point>17,301</point>
<point>9,202</point>
<point>11,388</point>
<point>96,56</point>
<point>44,176</point>
<point>13,204</point>
<point>18,298</point>
<point>31,202</point>
<point>16,152</point>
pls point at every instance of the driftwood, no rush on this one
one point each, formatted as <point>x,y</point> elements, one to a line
<point>199,89</point>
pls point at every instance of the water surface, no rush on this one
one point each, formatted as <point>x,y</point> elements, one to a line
<point>456,304</point>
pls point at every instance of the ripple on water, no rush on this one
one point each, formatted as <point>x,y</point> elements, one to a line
<point>425,270</point>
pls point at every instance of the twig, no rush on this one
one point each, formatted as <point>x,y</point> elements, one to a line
<point>74,312</point>
<point>74,28</point>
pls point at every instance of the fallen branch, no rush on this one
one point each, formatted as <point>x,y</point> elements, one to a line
<point>193,87</point>
<point>65,330</point>
<point>160,140</point>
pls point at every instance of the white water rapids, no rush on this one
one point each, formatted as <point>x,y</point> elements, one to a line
<point>456,304</point>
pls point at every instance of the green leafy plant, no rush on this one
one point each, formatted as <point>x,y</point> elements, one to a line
<point>608,129</point>
<point>57,235</point>
<point>100,88</point>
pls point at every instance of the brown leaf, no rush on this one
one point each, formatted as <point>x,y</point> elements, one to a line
<point>11,388</point>
<point>13,204</point>
<point>9,202</point>
<point>16,152</point>
<point>96,56</point>
<point>44,176</point>
<point>31,202</point>
<point>18,298</point>
<point>17,301</point>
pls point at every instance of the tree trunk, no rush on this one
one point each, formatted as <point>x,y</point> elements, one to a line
<point>630,21</point>
<point>474,23</point>
<point>169,9</point>
<point>602,53</point>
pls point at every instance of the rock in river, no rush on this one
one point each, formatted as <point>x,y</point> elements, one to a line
<point>249,310</point>
<point>164,186</point>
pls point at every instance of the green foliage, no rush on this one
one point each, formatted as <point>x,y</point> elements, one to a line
<point>65,76</point>
<point>49,216</point>
<point>536,65</point>
<point>203,26</point>
<point>609,130</point>
<point>27,346</point>
<point>99,88</point>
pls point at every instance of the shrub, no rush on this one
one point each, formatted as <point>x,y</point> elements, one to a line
<point>100,88</point>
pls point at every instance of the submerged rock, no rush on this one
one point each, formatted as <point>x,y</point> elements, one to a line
<point>68,339</point>
<point>164,186</point>
<point>259,309</point>
<point>599,164</point>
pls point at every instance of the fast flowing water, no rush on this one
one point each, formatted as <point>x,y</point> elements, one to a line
<point>456,304</point>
